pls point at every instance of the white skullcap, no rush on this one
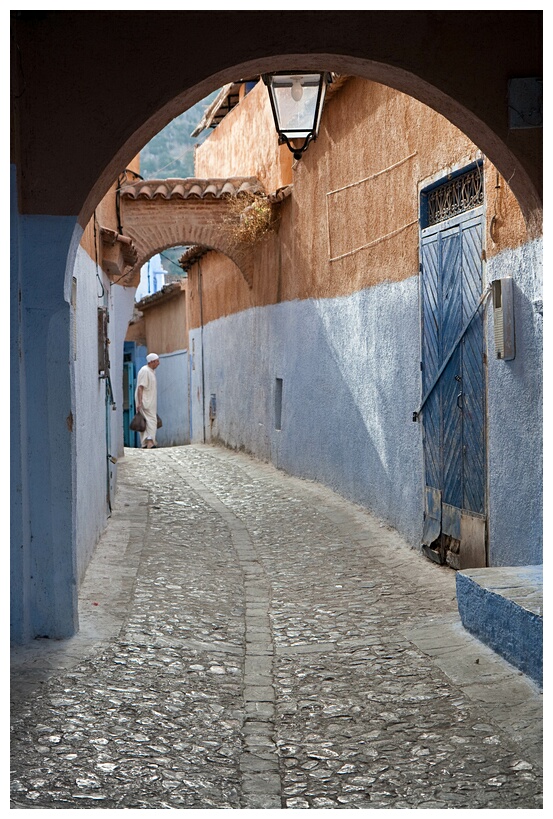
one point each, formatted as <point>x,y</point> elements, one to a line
<point>152,357</point>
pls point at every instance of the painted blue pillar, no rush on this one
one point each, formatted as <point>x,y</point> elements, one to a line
<point>43,562</point>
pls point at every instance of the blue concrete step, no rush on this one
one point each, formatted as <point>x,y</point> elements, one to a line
<point>503,607</point>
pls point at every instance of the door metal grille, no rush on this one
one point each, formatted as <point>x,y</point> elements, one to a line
<point>455,196</point>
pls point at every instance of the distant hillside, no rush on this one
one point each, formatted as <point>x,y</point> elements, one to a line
<point>170,154</point>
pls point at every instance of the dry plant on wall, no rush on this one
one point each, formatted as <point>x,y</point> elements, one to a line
<point>250,218</point>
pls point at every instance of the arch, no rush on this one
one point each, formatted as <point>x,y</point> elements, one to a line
<point>85,101</point>
<point>458,63</point>
<point>157,214</point>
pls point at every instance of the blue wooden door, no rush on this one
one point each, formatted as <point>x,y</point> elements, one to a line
<point>129,436</point>
<point>454,413</point>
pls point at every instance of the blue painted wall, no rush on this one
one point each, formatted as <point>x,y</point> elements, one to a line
<point>350,382</point>
<point>172,399</point>
<point>90,450</point>
<point>515,422</point>
<point>96,476</point>
<point>140,353</point>
<point>19,537</point>
<point>43,563</point>
<point>121,311</point>
<point>503,607</point>
<point>59,474</point>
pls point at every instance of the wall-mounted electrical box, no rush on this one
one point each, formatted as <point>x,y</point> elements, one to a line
<point>503,319</point>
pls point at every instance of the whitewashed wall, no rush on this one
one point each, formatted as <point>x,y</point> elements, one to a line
<point>93,436</point>
<point>515,418</point>
<point>173,399</point>
<point>350,382</point>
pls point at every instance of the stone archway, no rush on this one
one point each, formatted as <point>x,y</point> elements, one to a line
<point>458,63</point>
<point>85,101</point>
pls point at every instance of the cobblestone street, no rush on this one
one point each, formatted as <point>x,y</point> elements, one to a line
<point>251,640</point>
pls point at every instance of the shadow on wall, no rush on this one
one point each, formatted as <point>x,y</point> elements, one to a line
<point>349,378</point>
<point>172,399</point>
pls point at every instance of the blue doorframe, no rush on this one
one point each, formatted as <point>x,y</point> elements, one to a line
<point>129,377</point>
<point>134,357</point>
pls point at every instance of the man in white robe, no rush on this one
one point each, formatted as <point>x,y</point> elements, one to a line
<point>146,400</point>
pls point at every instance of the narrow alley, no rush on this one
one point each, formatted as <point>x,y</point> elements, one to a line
<point>251,640</point>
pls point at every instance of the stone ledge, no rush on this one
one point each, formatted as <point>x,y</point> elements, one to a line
<point>503,607</point>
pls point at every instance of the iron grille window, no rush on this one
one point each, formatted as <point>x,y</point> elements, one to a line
<point>455,196</point>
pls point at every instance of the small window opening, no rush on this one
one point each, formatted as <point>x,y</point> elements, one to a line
<point>278,403</point>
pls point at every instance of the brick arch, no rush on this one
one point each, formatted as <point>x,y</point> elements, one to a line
<point>157,214</point>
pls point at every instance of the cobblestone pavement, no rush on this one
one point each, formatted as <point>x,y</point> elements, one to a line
<point>250,640</point>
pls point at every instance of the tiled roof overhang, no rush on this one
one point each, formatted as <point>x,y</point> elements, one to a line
<point>227,98</point>
<point>192,255</point>
<point>191,188</point>
<point>159,213</point>
<point>280,194</point>
<point>167,292</point>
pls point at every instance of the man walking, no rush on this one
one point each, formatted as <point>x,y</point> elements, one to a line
<point>146,400</point>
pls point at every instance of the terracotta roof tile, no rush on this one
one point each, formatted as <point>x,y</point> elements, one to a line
<point>192,255</point>
<point>166,292</point>
<point>280,194</point>
<point>226,99</point>
<point>190,188</point>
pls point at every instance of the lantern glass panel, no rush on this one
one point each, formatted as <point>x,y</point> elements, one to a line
<point>296,103</point>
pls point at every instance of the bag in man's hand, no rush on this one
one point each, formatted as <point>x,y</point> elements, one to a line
<point>138,423</point>
<point>159,422</point>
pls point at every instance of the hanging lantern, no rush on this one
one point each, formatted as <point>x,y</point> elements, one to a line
<point>297,100</point>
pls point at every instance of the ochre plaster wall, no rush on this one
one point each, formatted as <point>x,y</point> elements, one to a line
<point>240,141</point>
<point>504,221</point>
<point>165,324</point>
<point>223,288</point>
<point>352,219</point>
<point>137,332</point>
<point>105,215</point>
